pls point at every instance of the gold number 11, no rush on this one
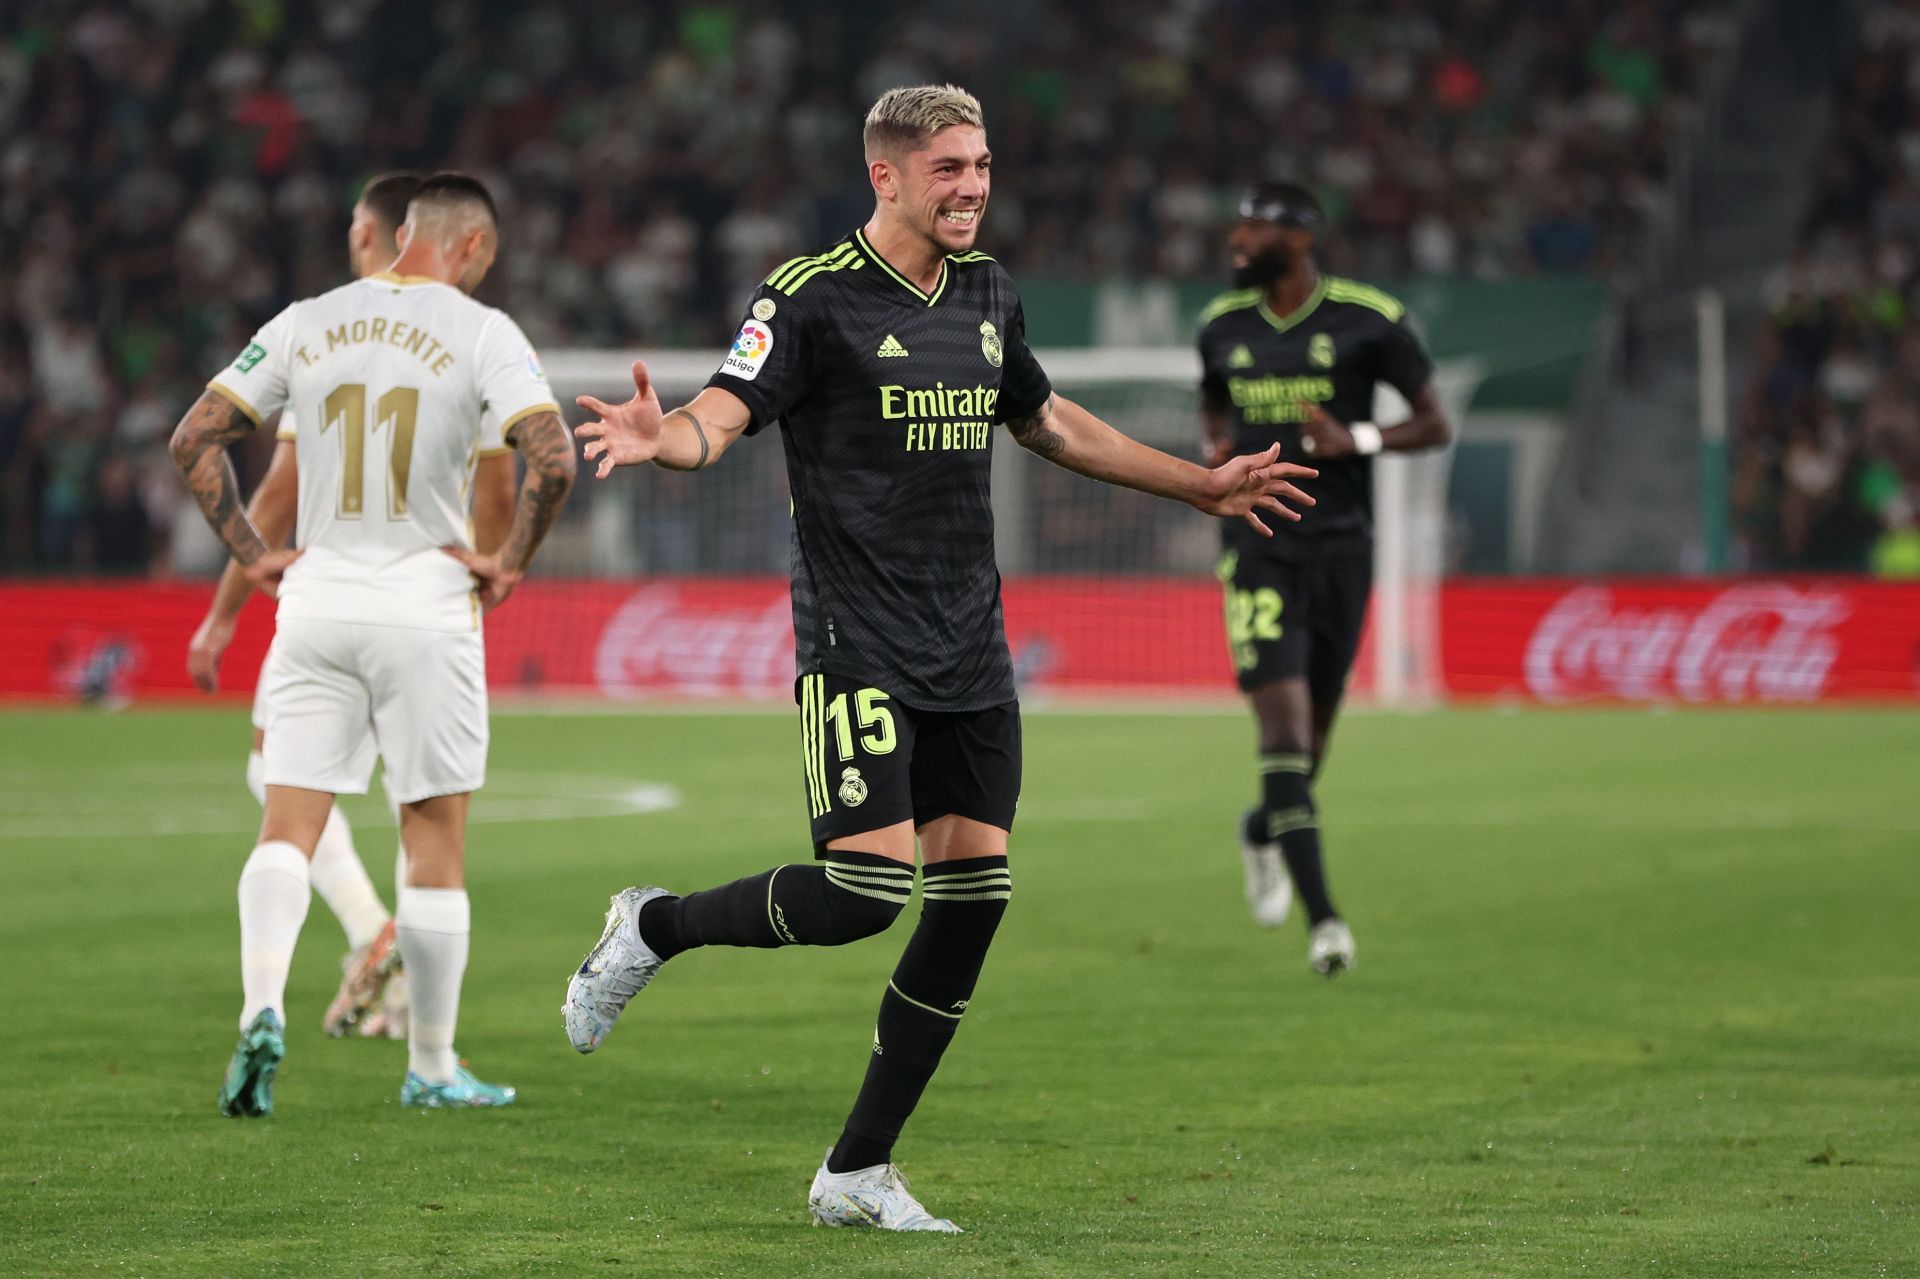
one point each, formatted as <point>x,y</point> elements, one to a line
<point>346,407</point>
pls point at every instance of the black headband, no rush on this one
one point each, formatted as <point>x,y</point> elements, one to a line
<point>1277,210</point>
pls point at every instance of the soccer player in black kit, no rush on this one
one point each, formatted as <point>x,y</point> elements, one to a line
<point>887,360</point>
<point>1292,357</point>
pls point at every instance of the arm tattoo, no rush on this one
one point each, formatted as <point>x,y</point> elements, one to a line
<point>1036,434</point>
<point>698,430</point>
<point>199,449</point>
<point>543,440</point>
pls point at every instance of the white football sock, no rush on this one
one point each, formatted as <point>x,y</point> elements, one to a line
<point>399,871</point>
<point>337,873</point>
<point>433,926</point>
<point>274,894</point>
<point>341,880</point>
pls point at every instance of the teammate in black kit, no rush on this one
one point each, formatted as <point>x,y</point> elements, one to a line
<point>887,360</point>
<point>1292,356</point>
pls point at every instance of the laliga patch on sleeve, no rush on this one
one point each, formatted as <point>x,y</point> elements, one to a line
<point>250,357</point>
<point>533,366</point>
<point>751,347</point>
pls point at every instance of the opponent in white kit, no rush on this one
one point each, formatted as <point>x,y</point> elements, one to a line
<point>372,998</point>
<point>398,383</point>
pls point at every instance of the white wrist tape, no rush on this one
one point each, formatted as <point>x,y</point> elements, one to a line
<point>1366,437</point>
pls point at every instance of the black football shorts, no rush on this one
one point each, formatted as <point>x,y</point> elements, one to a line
<point>872,761</point>
<point>1295,619</point>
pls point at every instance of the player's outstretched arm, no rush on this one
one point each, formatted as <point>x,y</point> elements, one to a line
<point>546,446</point>
<point>199,449</point>
<point>1067,435</point>
<point>272,510</point>
<point>683,439</point>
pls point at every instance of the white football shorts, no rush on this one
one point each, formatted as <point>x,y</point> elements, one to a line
<point>335,693</point>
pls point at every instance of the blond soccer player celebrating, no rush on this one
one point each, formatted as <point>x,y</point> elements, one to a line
<point>886,361</point>
<point>398,383</point>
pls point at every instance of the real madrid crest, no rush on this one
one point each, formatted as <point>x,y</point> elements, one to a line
<point>1320,351</point>
<point>853,788</point>
<point>990,343</point>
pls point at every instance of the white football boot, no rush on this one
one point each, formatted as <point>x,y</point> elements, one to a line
<point>1330,949</point>
<point>1269,888</point>
<point>617,968</point>
<point>873,1198</point>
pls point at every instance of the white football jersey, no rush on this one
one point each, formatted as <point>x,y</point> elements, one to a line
<point>393,388</point>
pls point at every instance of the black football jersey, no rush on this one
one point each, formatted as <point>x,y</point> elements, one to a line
<point>1263,369</point>
<point>888,397</point>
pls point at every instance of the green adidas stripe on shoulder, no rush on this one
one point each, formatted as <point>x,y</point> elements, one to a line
<point>1238,300</point>
<point>1366,295</point>
<point>839,260</point>
<point>783,268</point>
<point>788,272</point>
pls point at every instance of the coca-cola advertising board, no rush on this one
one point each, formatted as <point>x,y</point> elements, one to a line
<point>1698,641</point>
<point>1701,641</point>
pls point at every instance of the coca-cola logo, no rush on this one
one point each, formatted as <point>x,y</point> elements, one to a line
<point>1768,642</point>
<point>659,641</point>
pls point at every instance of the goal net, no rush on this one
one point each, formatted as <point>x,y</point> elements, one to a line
<point>659,584</point>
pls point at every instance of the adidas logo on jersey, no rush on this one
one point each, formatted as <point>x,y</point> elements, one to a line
<point>1240,359</point>
<point>891,349</point>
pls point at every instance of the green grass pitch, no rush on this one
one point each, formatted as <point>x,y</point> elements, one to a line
<point>1638,994</point>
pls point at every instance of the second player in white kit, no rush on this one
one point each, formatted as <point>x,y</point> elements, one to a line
<point>400,383</point>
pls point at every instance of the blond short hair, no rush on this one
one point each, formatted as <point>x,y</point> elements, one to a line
<point>904,118</point>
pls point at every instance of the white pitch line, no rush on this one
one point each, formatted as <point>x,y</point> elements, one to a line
<point>509,798</point>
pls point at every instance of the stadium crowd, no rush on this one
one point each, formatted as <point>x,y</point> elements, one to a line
<point>1826,468</point>
<point>174,171</point>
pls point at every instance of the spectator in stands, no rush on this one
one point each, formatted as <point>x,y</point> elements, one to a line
<point>1826,465</point>
<point>170,173</point>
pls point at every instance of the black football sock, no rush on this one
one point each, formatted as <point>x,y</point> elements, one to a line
<point>830,903</point>
<point>921,1008</point>
<point>1292,819</point>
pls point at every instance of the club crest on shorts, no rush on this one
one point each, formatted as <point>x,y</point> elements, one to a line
<point>1320,351</point>
<point>990,343</point>
<point>853,788</point>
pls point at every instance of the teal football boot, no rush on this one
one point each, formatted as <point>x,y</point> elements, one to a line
<point>463,1092</point>
<point>247,1091</point>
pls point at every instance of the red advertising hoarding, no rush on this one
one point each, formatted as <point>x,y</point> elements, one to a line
<point>1774,640</point>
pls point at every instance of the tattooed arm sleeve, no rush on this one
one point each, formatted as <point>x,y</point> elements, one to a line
<point>199,449</point>
<point>547,446</point>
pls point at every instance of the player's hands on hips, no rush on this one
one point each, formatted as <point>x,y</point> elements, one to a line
<point>626,434</point>
<point>1324,435</point>
<point>265,573</point>
<point>1255,482</point>
<point>495,580</point>
<point>204,651</point>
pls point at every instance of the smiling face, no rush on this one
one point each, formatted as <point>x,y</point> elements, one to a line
<point>940,189</point>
